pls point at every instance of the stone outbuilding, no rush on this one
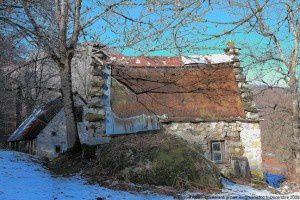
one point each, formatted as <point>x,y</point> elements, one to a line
<point>43,133</point>
<point>202,99</point>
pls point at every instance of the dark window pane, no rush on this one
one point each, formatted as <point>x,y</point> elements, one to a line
<point>57,149</point>
<point>216,146</point>
<point>217,157</point>
<point>78,114</point>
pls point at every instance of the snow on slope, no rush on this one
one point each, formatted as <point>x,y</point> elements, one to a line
<point>23,179</point>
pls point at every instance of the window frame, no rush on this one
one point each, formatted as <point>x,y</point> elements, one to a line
<point>221,151</point>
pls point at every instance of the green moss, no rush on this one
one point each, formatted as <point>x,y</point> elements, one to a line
<point>92,117</point>
<point>95,93</point>
<point>120,94</point>
<point>95,105</point>
<point>151,159</point>
<point>257,174</point>
<point>98,83</point>
<point>178,165</point>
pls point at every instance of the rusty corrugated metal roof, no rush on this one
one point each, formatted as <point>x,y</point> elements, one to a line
<point>37,121</point>
<point>147,61</point>
<point>166,86</point>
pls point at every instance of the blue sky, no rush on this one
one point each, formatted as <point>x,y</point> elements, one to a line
<point>191,33</point>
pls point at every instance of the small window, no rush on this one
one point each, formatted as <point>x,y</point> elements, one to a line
<point>217,151</point>
<point>53,133</point>
<point>57,149</point>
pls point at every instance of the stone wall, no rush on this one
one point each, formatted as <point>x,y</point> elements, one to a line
<point>53,134</point>
<point>240,139</point>
<point>95,114</point>
<point>246,94</point>
<point>251,139</point>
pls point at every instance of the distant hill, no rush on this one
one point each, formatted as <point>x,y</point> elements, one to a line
<point>274,105</point>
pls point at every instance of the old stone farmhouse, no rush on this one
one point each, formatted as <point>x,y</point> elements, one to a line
<point>202,99</point>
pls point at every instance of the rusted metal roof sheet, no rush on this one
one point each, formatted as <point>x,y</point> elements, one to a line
<point>164,61</point>
<point>37,121</point>
<point>144,61</point>
<point>199,91</point>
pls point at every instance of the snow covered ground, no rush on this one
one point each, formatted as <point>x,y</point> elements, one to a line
<point>21,178</point>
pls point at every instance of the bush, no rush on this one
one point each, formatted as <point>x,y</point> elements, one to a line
<point>155,159</point>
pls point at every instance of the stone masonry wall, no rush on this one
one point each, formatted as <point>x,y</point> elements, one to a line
<point>246,94</point>
<point>95,113</point>
<point>251,139</point>
<point>46,142</point>
<point>240,139</point>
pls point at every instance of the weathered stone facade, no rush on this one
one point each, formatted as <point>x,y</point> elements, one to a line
<point>95,113</point>
<point>51,137</point>
<point>251,138</point>
<point>241,139</point>
<point>52,140</point>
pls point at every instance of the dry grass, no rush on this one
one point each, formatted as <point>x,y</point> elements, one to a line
<point>148,160</point>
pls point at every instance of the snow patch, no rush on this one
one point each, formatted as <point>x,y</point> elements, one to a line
<point>207,59</point>
<point>23,179</point>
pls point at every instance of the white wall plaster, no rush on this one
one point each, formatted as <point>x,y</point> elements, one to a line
<point>251,139</point>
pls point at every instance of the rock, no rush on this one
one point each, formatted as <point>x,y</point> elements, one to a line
<point>241,168</point>
<point>96,110</point>
<point>96,105</point>
<point>97,83</point>
<point>95,102</point>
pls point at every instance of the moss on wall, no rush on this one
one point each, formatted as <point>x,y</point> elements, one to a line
<point>93,117</point>
<point>120,93</point>
<point>98,83</point>
<point>97,93</point>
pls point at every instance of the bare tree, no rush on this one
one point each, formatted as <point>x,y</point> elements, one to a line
<point>48,25</point>
<point>270,32</point>
<point>9,55</point>
<point>56,26</point>
<point>282,33</point>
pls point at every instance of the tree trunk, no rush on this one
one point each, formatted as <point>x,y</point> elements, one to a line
<point>19,107</point>
<point>73,141</point>
<point>295,116</point>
